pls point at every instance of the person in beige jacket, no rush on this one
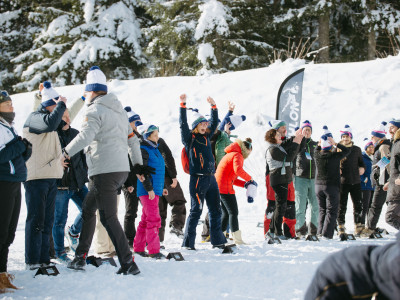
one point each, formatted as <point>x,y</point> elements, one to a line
<point>44,168</point>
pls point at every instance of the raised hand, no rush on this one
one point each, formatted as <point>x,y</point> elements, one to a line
<point>183,98</point>
<point>231,106</point>
<point>211,101</point>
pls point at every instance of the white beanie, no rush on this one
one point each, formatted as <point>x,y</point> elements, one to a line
<point>379,131</point>
<point>96,80</point>
<point>236,120</point>
<point>327,132</point>
<point>197,118</point>
<point>48,94</point>
<point>346,131</point>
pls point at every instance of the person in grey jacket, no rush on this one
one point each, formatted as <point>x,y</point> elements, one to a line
<point>107,138</point>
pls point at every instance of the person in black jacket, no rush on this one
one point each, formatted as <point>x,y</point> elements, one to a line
<point>379,178</point>
<point>304,184</point>
<point>351,167</point>
<point>203,185</point>
<point>71,186</point>
<point>279,162</point>
<point>366,184</point>
<point>363,272</point>
<point>327,182</point>
<point>14,151</point>
<point>393,194</point>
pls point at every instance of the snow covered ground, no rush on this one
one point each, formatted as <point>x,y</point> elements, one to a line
<point>359,94</point>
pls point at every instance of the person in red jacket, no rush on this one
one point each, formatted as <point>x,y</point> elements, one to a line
<point>228,171</point>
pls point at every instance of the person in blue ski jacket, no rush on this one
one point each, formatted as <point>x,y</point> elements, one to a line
<point>203,185</point>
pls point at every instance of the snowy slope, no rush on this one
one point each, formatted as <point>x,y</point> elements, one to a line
<point>359,94</point>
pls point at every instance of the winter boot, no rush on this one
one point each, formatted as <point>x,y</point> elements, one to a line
<point>78,263</point>
<point>5,281</point>
<point>142,254</point>
<point>312,229</point>
<point>341,229</point>
<point>63,258</point>
<point>205,239</point>
<point>302,230</point>
<point>73,240</point>
<point>178,232</point>
<point>129,269</point>
<point>366,232</point>
<point>157,255</point>
<point>237,237</point>
<point>358,228</point>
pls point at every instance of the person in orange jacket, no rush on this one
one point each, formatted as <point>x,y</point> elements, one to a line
<point>228,171</point>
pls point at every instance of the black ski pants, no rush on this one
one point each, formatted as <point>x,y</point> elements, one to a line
<point>230,212</point>
<point>393,214</point>
<point>10,206</point>
<point>177,200</point>
<point>103,191</point>
<point>355,193</point>
<point>328,200</point>
<point>366,196</point>
<point>374,212</point>
<point>281,191</point>
<point>131,208</point>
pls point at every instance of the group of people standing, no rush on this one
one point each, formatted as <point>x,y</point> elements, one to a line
<point>116,152</point>
<point>324,174</point>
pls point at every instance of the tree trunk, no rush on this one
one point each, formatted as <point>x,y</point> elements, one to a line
<point>371,33</point>
<point>323,36</point>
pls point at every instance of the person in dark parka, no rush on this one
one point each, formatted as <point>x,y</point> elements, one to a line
<point>351,167</point>
<point>361,272</point>
<point>327,181</point>
<point>393,195</point>
<point>366,183</point>
<point>14,151</point>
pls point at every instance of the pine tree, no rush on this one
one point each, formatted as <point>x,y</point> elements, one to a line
<point>78,34</point>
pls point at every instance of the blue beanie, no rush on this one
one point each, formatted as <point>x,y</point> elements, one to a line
<point>132,116</point>
<point>395,122</point>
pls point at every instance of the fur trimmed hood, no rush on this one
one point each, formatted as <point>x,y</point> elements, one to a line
<point>245,151</point>
<point>396,135</point>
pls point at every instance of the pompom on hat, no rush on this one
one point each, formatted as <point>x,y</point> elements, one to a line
<point>346,131</point>
<point>132,116</point>
<point>96,80</point>
<point>379,131</point>
<point>48,94</point>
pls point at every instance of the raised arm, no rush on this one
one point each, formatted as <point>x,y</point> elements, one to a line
<point>185,131</point>
<point>41,123</point>
<point>214,115</point>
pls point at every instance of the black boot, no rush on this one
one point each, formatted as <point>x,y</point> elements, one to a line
<point>129,269</point>
<point>78,263</point>
<point>157,255</point>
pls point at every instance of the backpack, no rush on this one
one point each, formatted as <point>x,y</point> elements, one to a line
<point>185,158</point>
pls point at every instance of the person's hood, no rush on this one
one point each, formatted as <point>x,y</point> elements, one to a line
<point>239,147</point>
<point>370,157</point>
<point>396,135</point>
<point>111,101</point>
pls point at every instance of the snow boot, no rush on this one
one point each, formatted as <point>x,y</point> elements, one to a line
<point>341,229</point>
<point>312,229</point>
<point>73,240</point>
<point>237,237</point>
<point>129,269</point>
<point>366,232</point>
<point>78,263</point>
<point>358,228</point>
<point>157,255</point>
<point>177,232</point>
<point>206,239</point>
<point>63,258</point>
<point>5,282</point>
<point>302,231</point>
<point>142,253</point>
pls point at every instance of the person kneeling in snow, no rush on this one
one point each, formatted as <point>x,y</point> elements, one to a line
<point>361,272</point>
<point>149,192</point>
<point>202,180</point>
<point>228,171</point>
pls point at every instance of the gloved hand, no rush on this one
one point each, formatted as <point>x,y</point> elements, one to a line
<point>143,170</point>
<point>251,192</point>
<point>28,151</point>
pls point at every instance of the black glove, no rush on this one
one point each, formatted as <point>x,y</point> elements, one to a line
<point>28,151</point>
<point>143,170</point>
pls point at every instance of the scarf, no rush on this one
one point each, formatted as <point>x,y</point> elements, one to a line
<point>8,116</point>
